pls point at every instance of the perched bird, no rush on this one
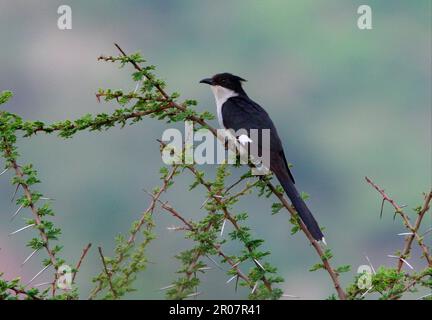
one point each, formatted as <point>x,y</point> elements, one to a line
<point>235,110</point>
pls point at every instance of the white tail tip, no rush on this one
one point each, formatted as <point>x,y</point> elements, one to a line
<point>323,241</point>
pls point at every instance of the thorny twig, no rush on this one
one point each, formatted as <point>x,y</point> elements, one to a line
<point>84,253</point>
<point>107,272</point>
<point>37,218</point>
<point>190,227</point>
<point>227,216</point>
<point>138,226</point>
<point>412,228</point>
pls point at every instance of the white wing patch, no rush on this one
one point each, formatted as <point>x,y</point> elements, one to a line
<point>244,139</point>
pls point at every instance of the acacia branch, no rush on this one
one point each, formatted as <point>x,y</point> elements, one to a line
<point>37,219</point>
<point>243,191</point>
<point>227,216</point>
<point>150,209</point>
<point>198,254</point>
<point>410,238</point>
<point>411,284</point>
<point>152,205</point>
<point>18,291</point>
<point>107,272</point>
<point>112,119</point>
<point>413,229</point>
<point>84,253</point>
<point>218,249</point>
<point>165,95</point>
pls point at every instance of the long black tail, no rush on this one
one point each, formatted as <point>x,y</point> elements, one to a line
<point>300,206</point>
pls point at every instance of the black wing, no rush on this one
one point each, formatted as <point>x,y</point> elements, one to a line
<point>242,113</point>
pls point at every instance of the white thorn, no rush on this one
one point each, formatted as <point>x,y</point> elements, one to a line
<point>38,274</point>
<point>366,292</point>
<point>406,262</point>
<point>258,263</point>
<point>223,227</point>
<point>402,259</point>
<point>173,228</point>
<point>21,229</point>
<point>254,288</point>
<point>29,257</point>
<point>205,268</point>
<point>42,284</point>
<point>323,241</point>
<point>16,212</point>
<point>167,287</point>
<point>370,264</point>
<point>137,86</point>
<point>426,295</point>
<point>205,201</point>
<point>4,171</point>
<point>231,279</point>
<point>405,234</point>
<point>217,265</point>
<point>194,294</point>
<point>235,265</point>
<point>290,296</point>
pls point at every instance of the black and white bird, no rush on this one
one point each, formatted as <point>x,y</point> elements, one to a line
<point>235,110</point>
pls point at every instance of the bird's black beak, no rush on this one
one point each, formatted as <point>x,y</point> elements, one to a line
<point>207,81</point>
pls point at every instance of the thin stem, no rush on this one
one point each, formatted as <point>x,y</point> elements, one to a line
<point>37,218</point>
<point>84,253</point>
<point>409,240</point>
<point>19,291</point>
<point>111,119</point>
<point>108,274</point>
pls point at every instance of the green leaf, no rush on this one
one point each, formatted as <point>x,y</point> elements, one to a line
<point>304,196</point>
<point>276,207</point>
<point>316,267</point>
<point>5,96</point>
<point>344,268</point>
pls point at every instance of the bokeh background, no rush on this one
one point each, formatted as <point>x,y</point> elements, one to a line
<point>347,103</point>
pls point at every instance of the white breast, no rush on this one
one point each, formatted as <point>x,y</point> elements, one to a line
<point>221,95</point>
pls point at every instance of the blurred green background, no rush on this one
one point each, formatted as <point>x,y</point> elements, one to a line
<point>347,103</point>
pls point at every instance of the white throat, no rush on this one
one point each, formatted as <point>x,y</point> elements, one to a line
<point>221,95</point>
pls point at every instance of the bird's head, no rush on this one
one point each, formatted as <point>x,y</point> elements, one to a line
<point>226,80</point>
